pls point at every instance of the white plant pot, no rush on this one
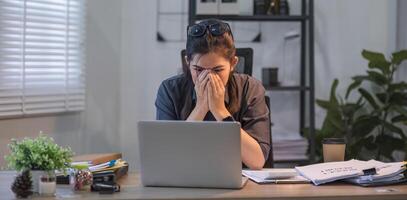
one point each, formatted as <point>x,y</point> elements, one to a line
<point>47,185</point>
<point>35,177</point>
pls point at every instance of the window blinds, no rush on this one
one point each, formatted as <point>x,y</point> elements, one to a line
<point>42,56</point>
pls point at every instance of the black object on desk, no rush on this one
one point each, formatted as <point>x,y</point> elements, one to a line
<point>105,182</point>
<point>108,177</point>
<point>63,179</point>
<point>103,188</point>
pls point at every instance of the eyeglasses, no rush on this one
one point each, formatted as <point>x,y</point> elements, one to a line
<point>216,29</point>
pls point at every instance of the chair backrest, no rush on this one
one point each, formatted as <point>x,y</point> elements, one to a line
<point>269,161</point>
<point>245,66</point>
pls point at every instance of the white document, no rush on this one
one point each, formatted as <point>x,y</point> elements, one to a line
<point>275,175</point>
<point>383,181</point>
<point>384,172</point>
<point>332,171</point>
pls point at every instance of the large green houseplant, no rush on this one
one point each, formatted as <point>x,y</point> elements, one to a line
<point>373,124</point>
<point>40,155</point>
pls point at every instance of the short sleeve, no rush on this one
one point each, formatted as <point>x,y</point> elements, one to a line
<point>256,116</point>
<point>165,109</point>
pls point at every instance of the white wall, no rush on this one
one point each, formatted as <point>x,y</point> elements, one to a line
<point>95,129</point>
<point>342,29</point>
<point>401,41</point>
<point>101,131</point>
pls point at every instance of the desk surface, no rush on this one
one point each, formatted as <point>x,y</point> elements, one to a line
<point>131,189</point>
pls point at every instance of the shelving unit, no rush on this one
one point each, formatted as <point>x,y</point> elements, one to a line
<point>306,87</point>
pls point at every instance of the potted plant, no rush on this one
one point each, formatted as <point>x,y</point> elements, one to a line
<point>40,155</point>
<point>373,125</point>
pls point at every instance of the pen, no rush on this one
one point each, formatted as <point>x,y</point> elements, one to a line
<point>103,165</point>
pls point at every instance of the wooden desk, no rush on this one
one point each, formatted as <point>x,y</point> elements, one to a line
<point>131,189</point>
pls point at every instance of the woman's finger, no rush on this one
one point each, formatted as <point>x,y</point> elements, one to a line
<point>202,75</point>
<point>205,82</point>
<point>215,88</point>
<point>210,88</point>
<point>219,83</point>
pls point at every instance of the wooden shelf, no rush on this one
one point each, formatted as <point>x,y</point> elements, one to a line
<point>286,88</point>
<point>254,17</point>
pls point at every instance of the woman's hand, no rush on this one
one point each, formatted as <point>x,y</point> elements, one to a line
<point>216,95</point>
<point>201,91</point>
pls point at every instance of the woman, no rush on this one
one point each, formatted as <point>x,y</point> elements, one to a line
<point>209,90</point>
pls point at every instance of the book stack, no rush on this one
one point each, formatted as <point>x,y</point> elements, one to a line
<point>290,149</point>
<point>105,165</point>
<point>100,163</point>
<point>363,173</point>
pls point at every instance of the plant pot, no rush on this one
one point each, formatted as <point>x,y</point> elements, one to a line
<point>35,177</point>
<point>47,185</point>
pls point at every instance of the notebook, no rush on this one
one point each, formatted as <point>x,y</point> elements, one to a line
<point>274,175</point>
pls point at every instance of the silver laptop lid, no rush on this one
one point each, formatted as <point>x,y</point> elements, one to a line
<point>190,154</point>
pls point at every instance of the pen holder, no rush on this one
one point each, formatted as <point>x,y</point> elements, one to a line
<point>81,178</point>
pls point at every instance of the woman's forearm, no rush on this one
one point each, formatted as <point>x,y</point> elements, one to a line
<point>197,114</point>
<point>252,155</point>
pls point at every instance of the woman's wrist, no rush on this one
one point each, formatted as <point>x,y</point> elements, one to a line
<point>201,108</point>
<point>198,113</point>
<point>221,114</point>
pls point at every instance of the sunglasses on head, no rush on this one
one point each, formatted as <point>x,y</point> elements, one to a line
<point>216,29</point>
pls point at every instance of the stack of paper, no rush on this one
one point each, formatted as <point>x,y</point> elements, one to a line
<point>104,162</point>
<point>274,176</point>
<point>386,173</point>
<point>354,171</point>
<point>290,149</point>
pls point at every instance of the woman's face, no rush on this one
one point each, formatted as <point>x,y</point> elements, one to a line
<point>213,62</point>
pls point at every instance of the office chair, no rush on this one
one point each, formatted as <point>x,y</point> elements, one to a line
<point>245,66</point>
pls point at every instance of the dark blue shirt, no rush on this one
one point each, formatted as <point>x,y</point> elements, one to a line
<point>253,114</point>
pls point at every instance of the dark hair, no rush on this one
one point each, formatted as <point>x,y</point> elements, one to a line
<point>222,45</point>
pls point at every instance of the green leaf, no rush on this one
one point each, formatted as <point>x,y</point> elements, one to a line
<point>371,78</point>
<point>389,144</point>
<point>355,84</point>
<point>350,109</point>
<point>400,110</point>
<point>323,104</point>
<point>398,86</point>
<point>368,97</point>
<point>359,102</point>
<point>399,118</point>
<point>360,78</point>
<point>332,97</point>
<point>377,77</point>
<point>394,129</point>
<point>364,125</point>
<point>373,56</point>
<point>336,121</point>
<point>377,61</point>
<point>399,99</point>
<point>381,97</point>
<point>399,57</point>
<point>370,144</point>
<point>383,66</point>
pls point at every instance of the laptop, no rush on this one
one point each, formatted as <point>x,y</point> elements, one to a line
<point>190,154</point>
